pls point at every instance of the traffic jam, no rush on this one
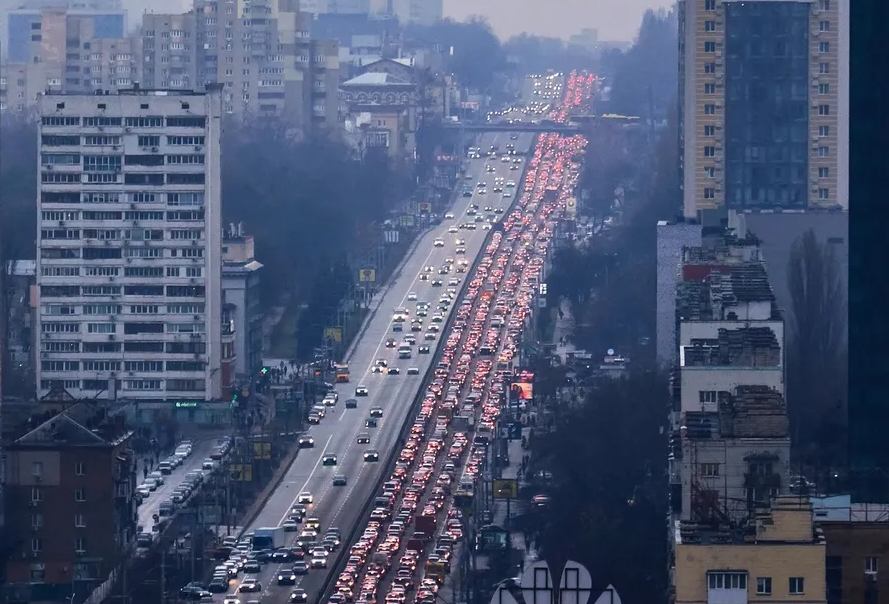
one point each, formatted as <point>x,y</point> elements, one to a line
<point>409,543</point>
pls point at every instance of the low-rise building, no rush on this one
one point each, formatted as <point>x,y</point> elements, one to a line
<point>777,556</point>
<point>69,504</point>
<point>240,292</point>
<point>391,103</point>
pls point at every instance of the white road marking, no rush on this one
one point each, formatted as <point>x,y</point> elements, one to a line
<point>311,474</point>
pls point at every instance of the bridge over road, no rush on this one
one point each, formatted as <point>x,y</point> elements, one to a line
<point>574,125</point>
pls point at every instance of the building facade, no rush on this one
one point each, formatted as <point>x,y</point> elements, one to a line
<point>69,487</point>
<point>763,96</point>
<point>240,292</point>
<point>129,265</point>
<point>776,556</point>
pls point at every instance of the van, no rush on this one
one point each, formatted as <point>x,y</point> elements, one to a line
<point>165,467</point>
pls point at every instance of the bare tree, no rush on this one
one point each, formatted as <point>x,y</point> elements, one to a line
<point>816,352</point>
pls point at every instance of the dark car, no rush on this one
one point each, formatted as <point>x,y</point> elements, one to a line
<point>194,592</point>
<point>351,403</point>
<point>424,349</point>
<point>217,586</point>
<point>371,456</point>
<point>299,596</point>
<point>282,555</point>
<point>306,442</point>
<point>252,566</point>
<point>370,422</point>
<point>286,577</point>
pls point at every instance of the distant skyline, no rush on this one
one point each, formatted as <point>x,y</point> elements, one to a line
<point>615,20</point>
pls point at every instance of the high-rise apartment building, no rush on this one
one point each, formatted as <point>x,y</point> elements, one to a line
<point>417,12</point>
<point>37,32</point>
<point>129,241</point>
<point>764,109</point>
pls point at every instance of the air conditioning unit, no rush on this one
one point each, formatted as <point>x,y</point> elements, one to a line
<point>34,503</point>
<point>111,279</point>
<point>111,338</point>
<point>127,129</point>
<point>198,148</point>
<point>194,241</point>
<point>48,167</point>
<point>61,223</point>
<point>192,280</point>
<point>154,149</point>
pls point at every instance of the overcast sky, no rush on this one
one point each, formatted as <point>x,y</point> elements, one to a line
<point>615,19</point>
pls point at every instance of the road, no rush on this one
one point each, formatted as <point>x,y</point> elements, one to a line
<point>341,506</point>
<point>149,506</point>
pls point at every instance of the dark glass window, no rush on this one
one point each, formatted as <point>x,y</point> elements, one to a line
<point>766,104</point>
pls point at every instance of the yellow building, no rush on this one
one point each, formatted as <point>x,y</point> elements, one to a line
<point>777,557</point>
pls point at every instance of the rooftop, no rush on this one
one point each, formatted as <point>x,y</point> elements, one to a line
<point>709,292</point>
<point>376,79</point>
<point>83,424</point>
<point>789,520</point>
<point>749,412</point>
<point>742,347</point>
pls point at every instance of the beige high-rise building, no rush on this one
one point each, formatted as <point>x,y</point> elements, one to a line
<point>764,104</point>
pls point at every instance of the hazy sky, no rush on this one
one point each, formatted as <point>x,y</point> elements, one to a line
<point>615,19</point>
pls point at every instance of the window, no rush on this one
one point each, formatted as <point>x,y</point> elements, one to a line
<point>709,4</point>
<point>707,396</point>
<point>823,88</point>
<point>797,586</point>
<point>824,4</point>
<point>871,565</point>
<point>709,151</point>
<point>79,468</point>
<point>709,469</point>
<point>824,47</point>
<point>37,469</point>
<point>823,172</point>
<point>823,193</point>
<point>823,151</point>
<point>823,109</point>
<point>709,193</point>
<point>710,88</point>
<point>36,494</point>
<point>709,172</point>
<point>709,67</point>
<point>824,26</point>
<point>36,521</point>
<point>823,130</point>
<point>719,580</point>
<point>709,46</point>
<point>79,521</point>
<point>823,68</point>
<point>79,495</point>
<point>709,25</point>
<point>710,130</point>
<point>763,586</point>
<point>709,109</point>
<point>79,544</point>
<point>36,545</point>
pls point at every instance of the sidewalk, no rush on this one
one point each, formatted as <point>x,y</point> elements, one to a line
<point>564,331</point>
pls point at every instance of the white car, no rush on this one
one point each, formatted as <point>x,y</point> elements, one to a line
<point>305,497</point>
<point>438,242</point>
<point>412,296</point>
<point>452,229</point>
<point>449,215</point>
<point>361,390</point>
<point>290,526</point>
<point>249,585</point>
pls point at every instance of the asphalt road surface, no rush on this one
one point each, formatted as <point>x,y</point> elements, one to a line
<point>341,506</point>
<point>150,506</point>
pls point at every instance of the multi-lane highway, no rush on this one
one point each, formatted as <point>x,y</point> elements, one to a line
<point>341,506</point>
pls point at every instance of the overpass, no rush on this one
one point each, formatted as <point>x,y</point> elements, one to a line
<point>573,126</point>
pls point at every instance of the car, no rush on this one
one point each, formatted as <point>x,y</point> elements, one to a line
<point>436,283</point>
<point>361,390</point>
<point>328,459</point>
<point>319,562</point>
<point>371,455</point>
<point>298,596</point>
<point>486,226</point>
<point>314,418</point>
<point>424,277</point>
<point>298,511</point>
<point>454,282</point>
<point>286,578</point>
<point>305,498</point>
<point>231,599</point>
<point>429,335</point>
<point>379,366</point>
<point>413,371</point>
<point>351,403</point>
<point>339,480</point>
<point>306,442</point>
<point>249,585</point>
<point>449,215</point>
<point>461,250</point>
<point>412,296</point>
<point>376,412</point>
<point>439,242</point>
<point>370,422</point>
<point>394,371</point>
<point>452,229</point>
<point>391,343</point>
<point>252,566</point>
<point>363,438</point>
<point>218,585</point>
<point>290,526</point>
<point>424,349</point>
<point>300,568</point>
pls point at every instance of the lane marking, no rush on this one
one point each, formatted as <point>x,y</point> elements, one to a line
<point>311,474</point>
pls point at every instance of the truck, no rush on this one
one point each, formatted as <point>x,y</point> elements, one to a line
<point>424,528</point>
<point>268,538</point>
<point>342,373</point>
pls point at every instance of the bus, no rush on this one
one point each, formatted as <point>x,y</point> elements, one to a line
<point>342,373</point>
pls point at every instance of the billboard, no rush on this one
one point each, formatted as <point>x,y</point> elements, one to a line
<point>522,391</point>
<point>367,275</point>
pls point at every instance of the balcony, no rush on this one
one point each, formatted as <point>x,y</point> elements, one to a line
<point>762,481</point>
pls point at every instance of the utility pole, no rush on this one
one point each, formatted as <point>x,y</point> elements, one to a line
<point>163,576</point>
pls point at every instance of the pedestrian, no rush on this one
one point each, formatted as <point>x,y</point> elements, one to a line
<point>144,472</point>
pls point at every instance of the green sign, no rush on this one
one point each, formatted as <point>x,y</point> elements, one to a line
<point>187,404</point>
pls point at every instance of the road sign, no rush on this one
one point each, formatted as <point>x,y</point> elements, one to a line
<point>426,207</point>
<point>367,275</point>
<point>262,450</point>
<point>333,333</point>
<point>505,488</point>
<point>241,472</point>
<point>391,236</point>
<point>541,302</point>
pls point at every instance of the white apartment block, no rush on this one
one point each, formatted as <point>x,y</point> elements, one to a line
<point>129,237</point>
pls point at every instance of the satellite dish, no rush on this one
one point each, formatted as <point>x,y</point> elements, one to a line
<point>610,352</point>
